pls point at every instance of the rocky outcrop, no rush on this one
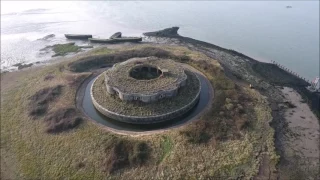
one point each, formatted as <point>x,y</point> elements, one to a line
<point>168,32</point>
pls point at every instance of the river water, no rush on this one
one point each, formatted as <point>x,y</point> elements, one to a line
<point>264,30</point>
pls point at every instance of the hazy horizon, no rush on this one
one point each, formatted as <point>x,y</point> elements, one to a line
<point>263,30</point>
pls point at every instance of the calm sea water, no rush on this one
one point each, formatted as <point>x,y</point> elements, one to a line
<point>263,30</point>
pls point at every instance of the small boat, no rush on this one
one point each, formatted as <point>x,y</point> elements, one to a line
<point>116,40</point>
<point>116,35</point>
<point>78,36</point>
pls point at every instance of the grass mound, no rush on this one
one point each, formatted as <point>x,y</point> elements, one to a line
<point>125,154</point>
<point>97,61</point>
<point>62,120</point>
<point>41,99</point>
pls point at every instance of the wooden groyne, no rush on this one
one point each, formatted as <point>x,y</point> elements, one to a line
<point>290,71</point>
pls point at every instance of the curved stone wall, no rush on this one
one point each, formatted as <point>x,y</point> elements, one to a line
<point>145,97</point>
<point>147,119</point>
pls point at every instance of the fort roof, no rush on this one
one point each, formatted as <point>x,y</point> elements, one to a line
<point>119,76</point>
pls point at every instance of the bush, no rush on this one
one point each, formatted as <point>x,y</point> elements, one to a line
<point>118,157</point>
<point>196,133</point>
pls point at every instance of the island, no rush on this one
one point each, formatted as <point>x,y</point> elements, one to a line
<point>171,107</point>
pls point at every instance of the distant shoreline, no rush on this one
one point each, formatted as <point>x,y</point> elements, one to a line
<point>288,79</point>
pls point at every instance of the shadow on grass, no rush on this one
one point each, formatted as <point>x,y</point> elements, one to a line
<point>39,102</point>
<point>125,154</point>
<point>62,120</point>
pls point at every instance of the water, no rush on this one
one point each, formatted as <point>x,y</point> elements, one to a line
<point>263,30</point>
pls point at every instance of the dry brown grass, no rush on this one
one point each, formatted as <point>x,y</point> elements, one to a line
<point>126,154</point>
<point>88,151</point>
<point>62,120</point>
<point>39,102</point>
<point>227,119</point>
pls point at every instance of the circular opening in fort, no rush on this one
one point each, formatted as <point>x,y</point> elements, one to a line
<point>144,72</point>
<point>119,94</point>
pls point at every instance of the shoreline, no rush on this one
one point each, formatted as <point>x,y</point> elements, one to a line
<point>267,87</point>
<point>172,33</point>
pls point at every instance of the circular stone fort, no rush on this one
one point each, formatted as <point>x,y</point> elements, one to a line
<point>145,90</point>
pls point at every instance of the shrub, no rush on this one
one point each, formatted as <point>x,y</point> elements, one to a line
<point>118,157</point>
<point>197,132</point>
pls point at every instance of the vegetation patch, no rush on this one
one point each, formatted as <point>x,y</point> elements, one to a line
<point>62,120</point>
<point>198,132</point>
<point>126,154</point>
<point>166,147</point>
<point>63,49</point>
<point>228,116</point>
<point>40,100</point>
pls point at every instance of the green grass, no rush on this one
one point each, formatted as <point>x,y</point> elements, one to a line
<point>166,147</point>
<point>63,49</point>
